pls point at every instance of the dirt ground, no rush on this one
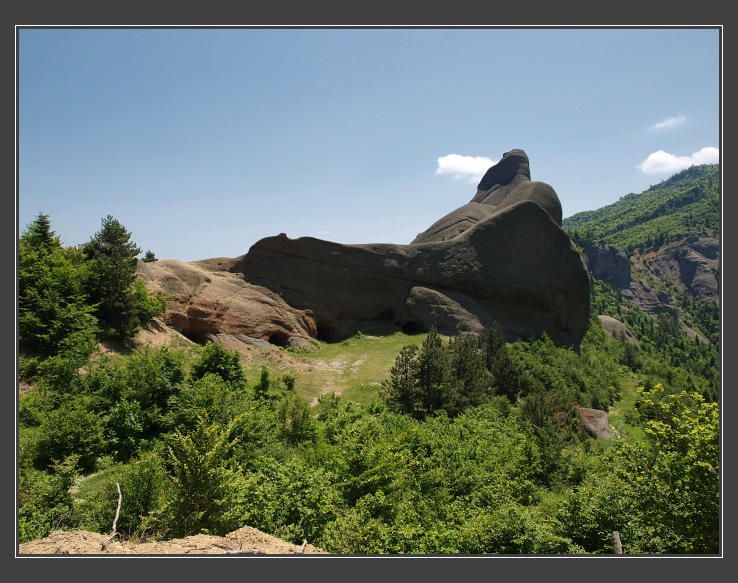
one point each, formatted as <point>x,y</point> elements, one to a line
<point>244,541</point>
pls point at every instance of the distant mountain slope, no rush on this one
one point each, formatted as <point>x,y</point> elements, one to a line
<point>660,249</point>
<point>688,202</point>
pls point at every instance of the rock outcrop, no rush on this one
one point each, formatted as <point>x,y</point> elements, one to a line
<point>209,304</point>
<point>616,329</point>
<point>691,263</point>
<point>505,184</point>
<point>595,422</point>
<point>608,263</point>
<point>501,258</point>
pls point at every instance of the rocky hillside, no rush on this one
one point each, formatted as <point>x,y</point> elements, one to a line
<point>661,249</point>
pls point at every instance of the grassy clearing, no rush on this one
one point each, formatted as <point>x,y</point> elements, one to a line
<point>618,415</point>
<point>353,368</point>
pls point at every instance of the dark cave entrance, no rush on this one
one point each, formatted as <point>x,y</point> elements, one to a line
<point>326,334</point>
<point>412,327</point>
<point>279,339</point>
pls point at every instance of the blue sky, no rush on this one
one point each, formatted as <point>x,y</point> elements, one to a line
<point>202,141</point>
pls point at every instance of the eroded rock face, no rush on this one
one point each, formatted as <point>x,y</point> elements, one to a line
<point>209,304</point>
<point>691,263</point>
<point>609,263</point>
<point>694,263</point>
<point>503,185</point>
<point>505,260</point>
<point>501,258</point>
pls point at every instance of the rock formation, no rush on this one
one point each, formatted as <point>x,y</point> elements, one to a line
<point>595,422</point>
<point>691,263</point>
<point>501,258</point>
<point>616,329</point>
<point>503,185</point>
<point>208,305</point>
<point>608,263</point>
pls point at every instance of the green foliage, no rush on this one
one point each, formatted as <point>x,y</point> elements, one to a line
<point>687,202</point>
<point>296,422</point>
<point>216,359</point>
<point>289,380</point>
<point>149,257</point>
<point>261,388</point>
<point>499,363</point>
<point>54,312</point>
<point>147,305</point>
<point>44,500</point>
<point>288,499</point>
<point>209,395</point>
<point>124,429</point>
<point>152,377</point>
<point>666,352</point>
<point>435,377</point>
<point>663,496</point>
<point>143,485</point>
<point>66,431</point>
<point>112,257</point>
<point>203,481</point>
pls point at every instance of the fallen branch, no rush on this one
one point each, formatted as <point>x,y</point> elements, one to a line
<point>301,550</point>
<point>104,544</point>
<point>58,550</point>
<point>254,551</point>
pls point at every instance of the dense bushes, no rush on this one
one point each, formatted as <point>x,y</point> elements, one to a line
<point>474,445</point>
<point>495,477</point>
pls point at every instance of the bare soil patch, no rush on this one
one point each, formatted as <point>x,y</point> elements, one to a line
<point>244,541</point>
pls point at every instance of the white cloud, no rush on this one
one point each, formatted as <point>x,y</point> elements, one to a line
<point>661,162</point>
<point>669,122</point>
<point>469,168</point>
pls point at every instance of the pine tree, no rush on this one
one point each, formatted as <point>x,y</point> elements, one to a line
<point>54,315</point>
<point>433,374</point>
<point>113,264</point>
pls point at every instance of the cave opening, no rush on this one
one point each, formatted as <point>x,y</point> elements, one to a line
<point>200,339</point>
<point>412,327</point>
<point>326,334</point>
<point>279,339</point>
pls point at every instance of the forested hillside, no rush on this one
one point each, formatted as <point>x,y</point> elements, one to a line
<point>670,235</point>
<point>688,202</point>
<point>462,445</point>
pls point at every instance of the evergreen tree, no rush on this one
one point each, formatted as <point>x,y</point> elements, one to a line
<point>54,315</point>
<point>433,374</point>
<point>113,264</point>
<point>499,362</point>
<point>400,390</point>
<point>473,383</point>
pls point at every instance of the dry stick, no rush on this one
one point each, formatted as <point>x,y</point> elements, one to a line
<point>301,550</point>
<point>254,551</point>
<point>115,522</point>
<point>617,546</point>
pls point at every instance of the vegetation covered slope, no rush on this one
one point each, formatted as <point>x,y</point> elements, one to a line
<point>647,226</point>
<point>688,202</point>
<point>465,444</point>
